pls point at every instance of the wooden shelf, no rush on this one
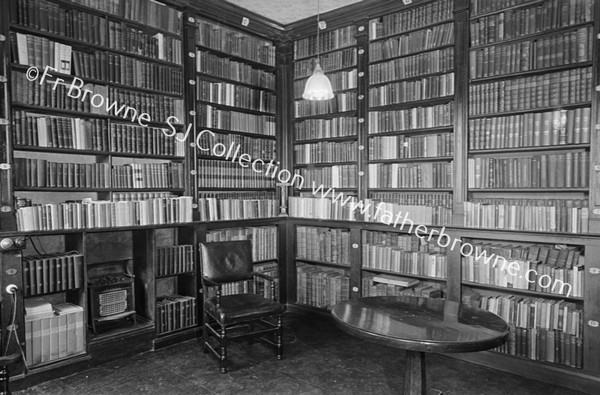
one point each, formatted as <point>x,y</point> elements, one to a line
<point>351,113</point>
<point>236,109</point>
<point>328,139</point>
<point>418,276</point>
<point>75,151</point>
<point>411,104</point>
<point>411,54</point>
<point>528,73</point>
<point>323,263</point>
<point>232,81</point>
<point>530,149</point>
<point>532,110</point>
<point>252,63</point>
<point>522,291</point>
<point>436,129</point>
<point>413,78</point>
<point>410,160</point>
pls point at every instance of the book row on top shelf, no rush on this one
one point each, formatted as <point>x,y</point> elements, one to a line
<point>123,34</point>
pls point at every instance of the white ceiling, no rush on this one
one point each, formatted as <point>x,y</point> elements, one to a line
<point>288,11</point>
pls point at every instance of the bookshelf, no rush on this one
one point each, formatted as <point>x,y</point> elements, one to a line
<point>234,110</point>
<point>106,152</point>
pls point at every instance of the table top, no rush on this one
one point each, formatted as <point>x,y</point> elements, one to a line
<point>421,324</point>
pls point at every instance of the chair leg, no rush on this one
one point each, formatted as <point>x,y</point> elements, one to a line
<point>279,339</point>
<point>223,356</point>
<point>204,333</point>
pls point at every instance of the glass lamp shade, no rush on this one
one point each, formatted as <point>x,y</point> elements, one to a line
<point>318,86</point>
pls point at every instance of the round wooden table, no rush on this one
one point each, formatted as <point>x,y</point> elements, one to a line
<point>420,325</point>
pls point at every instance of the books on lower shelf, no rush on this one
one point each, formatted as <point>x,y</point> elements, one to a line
<point>562,264</point>
<point>174,260</point>
<point>540,329</point>
<point>321,287</point>
<point>411,175</point>
<point>329,245</point>
<point>408,147</point>
<point>52,273</point>
<point>405,260</point>
<point>43,173</point>
<point>321,208</point>
<point>336,176</point>
<point>148,175</point>
<point>101,214</point>
<point>175,312</point>
<point>224,67</point>
<point>257,285</point>
<point>53,332</point>
<point>413,118</point>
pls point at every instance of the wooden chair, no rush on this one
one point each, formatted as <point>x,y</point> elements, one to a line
<point>247,315</point>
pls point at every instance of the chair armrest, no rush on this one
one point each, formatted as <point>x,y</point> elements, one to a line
<point>263,276</point>
<point>210,283</point>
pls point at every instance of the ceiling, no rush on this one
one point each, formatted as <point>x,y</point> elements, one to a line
<point>287,11</point>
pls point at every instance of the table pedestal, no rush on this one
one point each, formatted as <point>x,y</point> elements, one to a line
<point>414,377</point>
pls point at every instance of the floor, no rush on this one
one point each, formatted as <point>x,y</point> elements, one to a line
<point>319,359</point>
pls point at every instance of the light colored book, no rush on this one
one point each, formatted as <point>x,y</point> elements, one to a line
<point>395,280</point>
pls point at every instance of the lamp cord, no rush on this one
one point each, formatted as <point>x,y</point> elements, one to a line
<point>318,29</point>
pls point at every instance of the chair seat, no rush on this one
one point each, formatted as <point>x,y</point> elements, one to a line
<point>241,307</point>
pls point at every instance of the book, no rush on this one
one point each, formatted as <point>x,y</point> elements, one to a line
<point>395,280</point>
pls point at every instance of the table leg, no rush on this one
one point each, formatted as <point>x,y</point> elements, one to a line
<point>414,378</point>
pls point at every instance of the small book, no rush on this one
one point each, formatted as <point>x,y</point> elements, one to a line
<point>395,280</point>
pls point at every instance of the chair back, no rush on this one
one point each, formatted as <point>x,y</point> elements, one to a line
<point>226,261</point>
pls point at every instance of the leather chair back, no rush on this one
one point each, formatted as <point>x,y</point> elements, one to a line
<point>226,261</point>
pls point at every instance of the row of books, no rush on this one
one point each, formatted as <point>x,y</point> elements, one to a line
<point>139,73</point>
<point>328,41</point>
<point>413,118</point>
<point>308,129</point>
<point>318,208</point>
<point>158,107</point>
<point>403,241</point>
<point>567,48</point>
<point>326,152</point>
<point>371,287</point>
<point>554,128</point>
<point>331,245</point>
<point>174,259</point>
<point>148,175</point>
<point>558,255</point>
<point>340,80</point>
<point>408,147</point>
<point>339,176</point>
<point>541,329</point>
<point>49,17</point>
<point>528,93</point>
<point>222,174</point>
<point>213,117</point>
<point>43,173</point>
<point>532,19</point>
<point>257,285</point>
<point>404,215</point>
<point>416,41</point>
<point>128,103</point>
<point>147,12</point>
<point>566,170</point>
<point>402,261</point>
<point>224,39</point>
<point>432,199</point>
<point>231,208</point>
<point>145,140</point>
<point>31,50</point>
<point>53,332</point>
<point>235,96</point>
<point>433,87</point>
<point>527,275</point>
<point>330,62</point>
<point>40,130</point>
<point>175,312</point>
<point>52,273</point>
<point>255,147</point>
<point>133,40</point>
<point>413,18</point>
<point>345,101</point>
<point>409,175</point>
<point>484,6</point>
<point>54,96</point>
<point>538,215</point>
<point>104,214</point>
<point>217,66</point>
<point>264,240</point>
<point>431,62</point>
<point>321,287</point>
<point>135,196</point>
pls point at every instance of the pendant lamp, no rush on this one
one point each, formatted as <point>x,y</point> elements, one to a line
<point>318,86</point>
